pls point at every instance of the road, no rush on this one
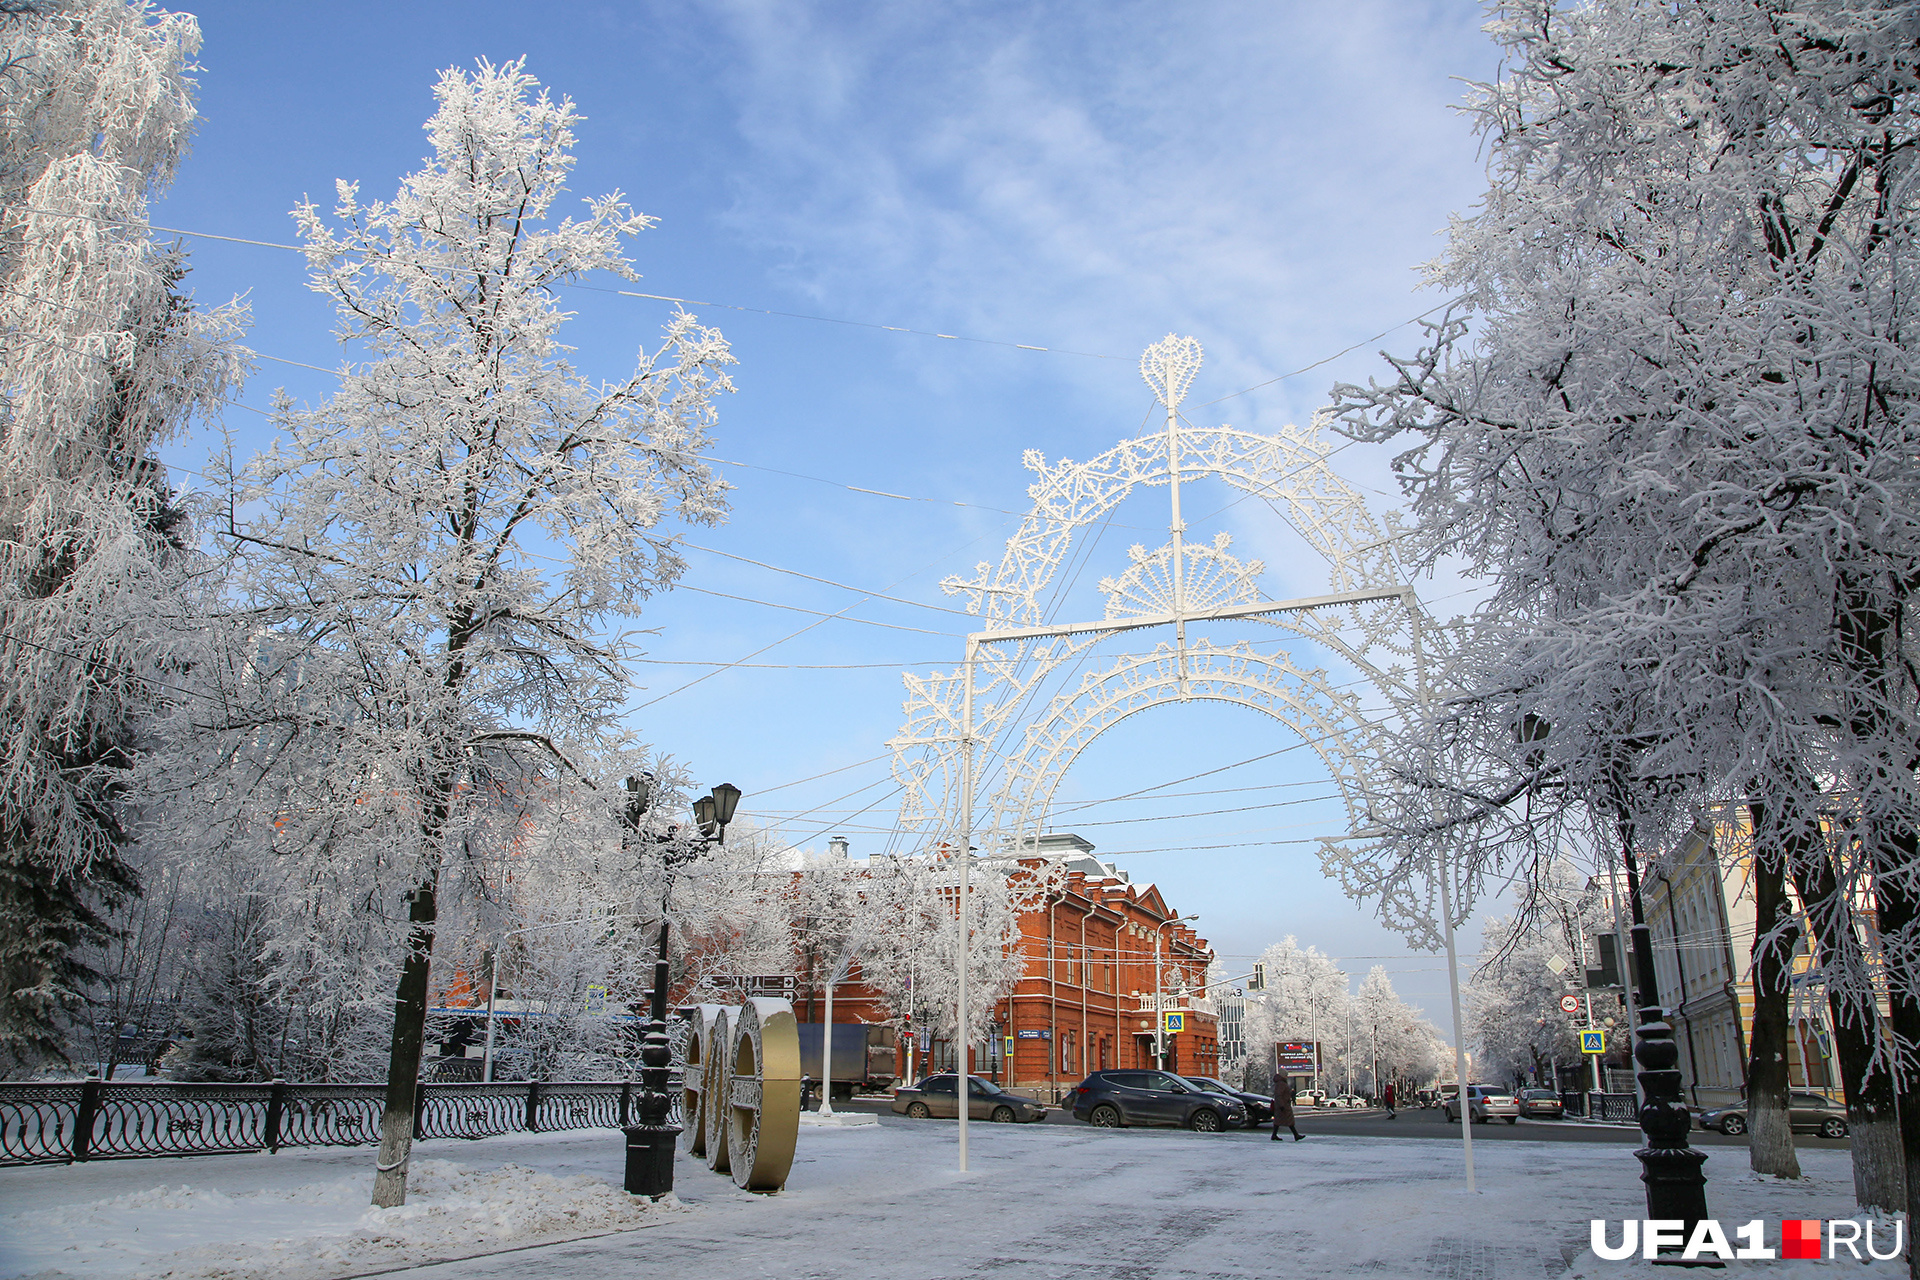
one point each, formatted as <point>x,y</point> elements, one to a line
<point>1422,1123</point>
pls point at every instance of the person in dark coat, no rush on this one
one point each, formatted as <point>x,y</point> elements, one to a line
<point>1387,1097</point>
<point>1283,1109</point>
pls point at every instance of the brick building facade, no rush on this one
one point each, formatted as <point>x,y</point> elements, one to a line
<point>1087,998</point>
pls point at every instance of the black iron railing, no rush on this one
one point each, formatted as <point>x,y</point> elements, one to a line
<point>100,1120</point>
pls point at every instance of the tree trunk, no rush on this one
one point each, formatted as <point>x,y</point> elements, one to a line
<point>1899,917</point>
<point>409,1037</point>
<point>1879,1172</point>
<point>1770,1140</point>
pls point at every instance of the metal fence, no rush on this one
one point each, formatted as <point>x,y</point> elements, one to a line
<point>1624,1107</point>
<point>102,1120</point>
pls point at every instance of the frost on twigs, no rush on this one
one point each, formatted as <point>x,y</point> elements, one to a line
<point>105,358</point>
<point>1671,423</point>
<point>429,558</point>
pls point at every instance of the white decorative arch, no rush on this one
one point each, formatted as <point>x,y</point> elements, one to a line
<point>1362,619</point>
<point>1369,618</point>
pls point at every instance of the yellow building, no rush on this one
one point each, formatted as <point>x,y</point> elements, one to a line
<point>1700,910</point>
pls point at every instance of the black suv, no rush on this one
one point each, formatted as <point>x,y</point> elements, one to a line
<point>1113,1098</point>
<point>1259,1108</point>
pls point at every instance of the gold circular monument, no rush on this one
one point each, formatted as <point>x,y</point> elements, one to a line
<point>762,1096</point>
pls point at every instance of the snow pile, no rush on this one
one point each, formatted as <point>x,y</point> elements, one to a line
<point>318,1230</point>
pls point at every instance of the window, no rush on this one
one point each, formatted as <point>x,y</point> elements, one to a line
<point>938,1084</point>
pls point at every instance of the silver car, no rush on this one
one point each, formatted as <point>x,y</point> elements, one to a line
<point>1483,1105</point>
<point>939,1096</point>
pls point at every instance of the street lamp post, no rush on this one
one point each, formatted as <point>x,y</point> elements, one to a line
<point>650,1144</point>
<point>1669,1165</point>
<point>1159,1012</point>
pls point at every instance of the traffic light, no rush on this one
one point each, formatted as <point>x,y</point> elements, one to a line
<point>1259,980</point>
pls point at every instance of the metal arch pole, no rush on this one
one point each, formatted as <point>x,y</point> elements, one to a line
<point>1178,528</point>
<point>1461,1100</point>
<point>1463,1103</point>
<point>964,1083</point>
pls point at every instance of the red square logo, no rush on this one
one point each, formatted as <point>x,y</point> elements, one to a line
<point>1800,1238</point>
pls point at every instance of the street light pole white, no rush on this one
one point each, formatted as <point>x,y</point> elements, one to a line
<point>963,1084</point>
<point>1159,997</point>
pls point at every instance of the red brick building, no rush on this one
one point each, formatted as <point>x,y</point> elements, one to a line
<point>1088,998</point>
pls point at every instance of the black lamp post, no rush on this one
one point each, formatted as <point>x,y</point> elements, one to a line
<point>1669,1164</point>
<point>651,1143</point>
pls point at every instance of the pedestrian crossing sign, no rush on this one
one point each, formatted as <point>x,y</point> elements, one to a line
<point>1593,1042</point>
<point>1176,1022</point>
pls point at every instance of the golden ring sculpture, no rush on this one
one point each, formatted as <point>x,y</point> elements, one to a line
<point>740,1093</point>
<point>693,1093</point>
<point>763,1097</point>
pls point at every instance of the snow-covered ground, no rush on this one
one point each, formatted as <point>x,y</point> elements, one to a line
<point>885,1200</point>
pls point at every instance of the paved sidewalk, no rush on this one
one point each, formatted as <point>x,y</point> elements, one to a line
<point>1042,1202</point>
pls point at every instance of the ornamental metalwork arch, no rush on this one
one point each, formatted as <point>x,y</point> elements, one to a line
<point>1367,618</point>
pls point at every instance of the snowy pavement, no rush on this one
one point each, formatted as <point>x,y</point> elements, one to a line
<point>885,1200</point>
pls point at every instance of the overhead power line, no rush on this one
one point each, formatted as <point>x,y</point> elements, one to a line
<point>790,315</point>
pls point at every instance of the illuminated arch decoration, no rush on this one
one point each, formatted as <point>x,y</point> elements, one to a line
<point>1368,618</point>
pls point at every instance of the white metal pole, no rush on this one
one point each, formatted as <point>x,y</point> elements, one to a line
<point>1593,1059</point>
<point>1159,1013</point>
<point>493,986</point>
<point>963,1084</point>
<point>826,1053</point>
<point>1178,530</point>
<point>1461,1103</point>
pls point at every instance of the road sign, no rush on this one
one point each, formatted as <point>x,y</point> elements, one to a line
<point>1175,1022</point>
<point>1036,1033</point>
<point>596,1001</point>
<point>1569,1004</point>
<point>1593,1042</point>
<point>1009,1040</point>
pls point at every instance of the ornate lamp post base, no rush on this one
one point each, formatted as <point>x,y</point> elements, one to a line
<point>650,1150</point>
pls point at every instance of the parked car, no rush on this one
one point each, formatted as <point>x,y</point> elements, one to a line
<point>1346,1100</point>
<point>1541,1104</point>
<point>1484,1104</point>
<point>1806,1112</point>
<point>1110,1099</point>
<point>1259,1107</point>
<point>938,1096</point>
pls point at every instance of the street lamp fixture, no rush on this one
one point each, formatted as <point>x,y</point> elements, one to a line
<point>650,1144</point>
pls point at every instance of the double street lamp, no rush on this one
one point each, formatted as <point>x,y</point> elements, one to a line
<point>650,1144</point>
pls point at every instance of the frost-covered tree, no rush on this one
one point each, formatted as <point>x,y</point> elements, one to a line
<point>432,555</point>
<point>913,948</point>
<point>102,359</point>
<point>1390,1039</point>
<point>1305,1000</point>
<point>1672,422</point>
<point>1514,1003</point>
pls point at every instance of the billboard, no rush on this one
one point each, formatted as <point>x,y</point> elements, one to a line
<point>1294,1055</point>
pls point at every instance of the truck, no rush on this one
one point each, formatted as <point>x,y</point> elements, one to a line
<point>863,1056</point>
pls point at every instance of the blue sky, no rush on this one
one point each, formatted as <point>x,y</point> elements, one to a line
<point>1265,177</point>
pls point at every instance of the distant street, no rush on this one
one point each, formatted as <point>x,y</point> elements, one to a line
<point>1420,1123</point>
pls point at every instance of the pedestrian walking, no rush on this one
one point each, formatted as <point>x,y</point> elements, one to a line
<point>1387,1097</point>
<point>1283,1109</point>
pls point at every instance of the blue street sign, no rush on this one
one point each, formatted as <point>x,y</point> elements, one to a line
<point>1593,1042</point>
